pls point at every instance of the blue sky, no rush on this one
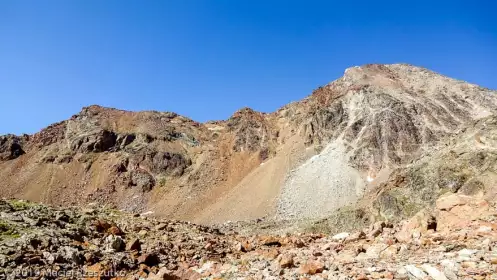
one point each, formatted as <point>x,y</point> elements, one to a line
<point>206,59</point>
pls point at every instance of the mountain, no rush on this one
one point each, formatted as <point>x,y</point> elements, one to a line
<point>381,142</point>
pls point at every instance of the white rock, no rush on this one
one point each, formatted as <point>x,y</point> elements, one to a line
<point>433,272</point>
<point>415,272</point>
<point>451,275</point>
<point>340,236</point>
<point>467,252</point>
<point>485,229</point>
<point>451,264</point>
<point>402,271</point>
<point>147,213</point>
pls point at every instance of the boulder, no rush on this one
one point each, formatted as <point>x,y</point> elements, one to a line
<point>286,261</point>
<point>420,223</point>
<point>457,211</point>
<point>311,268</point>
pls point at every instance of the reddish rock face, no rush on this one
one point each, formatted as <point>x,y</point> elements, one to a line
<point>458,210</point>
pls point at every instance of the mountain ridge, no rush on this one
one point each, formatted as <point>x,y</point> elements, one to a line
<point>377,119</point>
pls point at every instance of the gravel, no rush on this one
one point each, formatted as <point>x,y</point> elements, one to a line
<point>322,184</point>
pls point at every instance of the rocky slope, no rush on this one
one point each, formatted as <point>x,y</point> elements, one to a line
<point>458,240</point>
<point>381,142</point>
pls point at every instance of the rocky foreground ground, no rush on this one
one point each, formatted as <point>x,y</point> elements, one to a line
<point>457,240</point>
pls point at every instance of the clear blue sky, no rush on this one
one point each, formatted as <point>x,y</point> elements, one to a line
<point>206,59</point>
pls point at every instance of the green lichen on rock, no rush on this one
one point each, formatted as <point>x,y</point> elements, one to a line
<point>348,218</point>
<point>20,205</point>
<point>7,230</point>
<point>395,204</point>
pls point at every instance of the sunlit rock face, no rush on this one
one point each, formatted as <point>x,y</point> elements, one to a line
<point>375,137</point>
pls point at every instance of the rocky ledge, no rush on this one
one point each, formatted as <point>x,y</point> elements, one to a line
<point>456,240</point>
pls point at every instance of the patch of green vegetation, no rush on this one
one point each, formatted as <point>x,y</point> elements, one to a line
<point>409,208</point>
<point>347,218</point>
<point>7,231</point>
<point>318,148</point>
<point>473,187</point>
<point>161,181</point>
<point>443,191</point>
<point>320,226</point>
<point>20,205</point>
<point>111,211</point>
<point>395,204</point>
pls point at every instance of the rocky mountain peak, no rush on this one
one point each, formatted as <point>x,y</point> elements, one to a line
<point>346,143</point>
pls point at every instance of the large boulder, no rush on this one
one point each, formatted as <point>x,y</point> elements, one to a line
<point>458,210</point>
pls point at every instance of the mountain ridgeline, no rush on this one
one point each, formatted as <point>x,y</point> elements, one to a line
<point>381,142</point>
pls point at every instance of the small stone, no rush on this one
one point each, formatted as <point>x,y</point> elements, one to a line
<point>101,226</point>
<point>148,259</point>
<point>484,229</point>
<point>163,274</point>
<point>299,243</point>
<point>355,236</point>
<point>61,216</point>
<point>374,251</point>
<point>311,268</point>
<point>433,272</point>
<point>362,276</point>
<point>116,243</point>
<point>271,254</point>
<point>415,272</point>
<point>389,275</point>
<point>73,255</point>
<point>133,245</point>
<point>271,241</point>
<point>340,236</point>
<point>376,229</point>
<point>208,246</point>
<point>469,264</point>
<point>451,264</point>
<point>467,252</point>
<point>317,253</point>
<point>239,247</point>
<point>114,230</point>
<point>160,226</point>
<point>389,252</point>
<point>89,257</point>
<point>246,246</point>
<point>330,246</point>
<point>401,272</point>
<point>49,257</point>
<point>451,275</point>
<point>286,261</point>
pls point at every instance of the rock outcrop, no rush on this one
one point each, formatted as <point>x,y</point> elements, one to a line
<point>10,147</point>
